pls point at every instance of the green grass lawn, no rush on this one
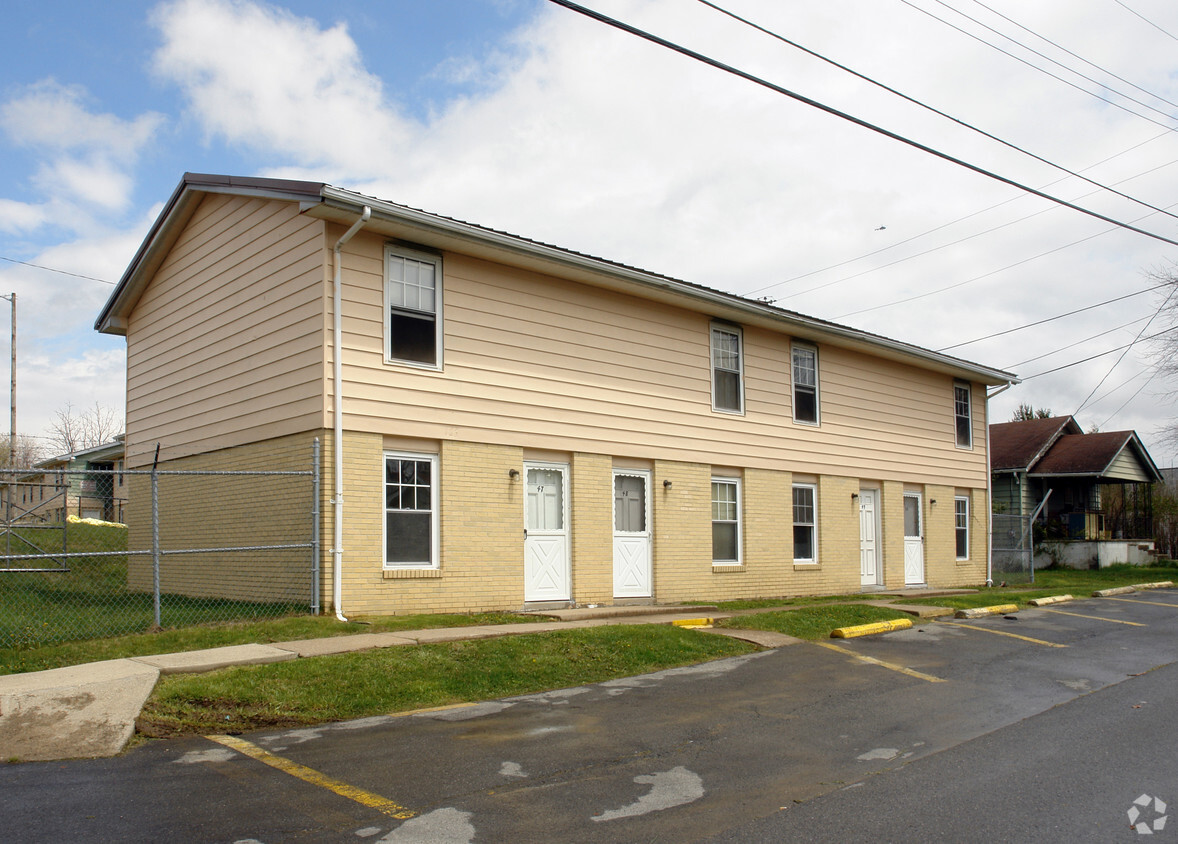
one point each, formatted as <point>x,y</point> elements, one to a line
<point>1080,583</point>
<point>398,679</point>
<point>813,622</point>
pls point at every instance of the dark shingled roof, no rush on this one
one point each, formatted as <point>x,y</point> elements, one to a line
<point>1017,445</point>
<point>1084,454</point>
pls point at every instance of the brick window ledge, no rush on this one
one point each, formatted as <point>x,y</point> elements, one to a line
<point>409,574</point>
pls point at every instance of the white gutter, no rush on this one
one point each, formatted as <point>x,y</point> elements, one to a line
<point>337,454</point>
<point>990,494</point>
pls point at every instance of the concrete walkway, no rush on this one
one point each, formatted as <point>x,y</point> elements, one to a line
<point>89,711</point>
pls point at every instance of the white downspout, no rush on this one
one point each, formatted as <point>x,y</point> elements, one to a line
<point>337,454</point>
<point>990,491</point>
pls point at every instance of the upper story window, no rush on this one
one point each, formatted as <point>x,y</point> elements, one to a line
<point>413,297</point>
<point>963,415</point>
<point>727,369</point>
<point>805,381</point>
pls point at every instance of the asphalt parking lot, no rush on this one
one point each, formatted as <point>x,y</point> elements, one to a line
<point>688,754</point>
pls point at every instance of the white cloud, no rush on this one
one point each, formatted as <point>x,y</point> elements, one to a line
<point>84,158</point>
<point>258,76</point>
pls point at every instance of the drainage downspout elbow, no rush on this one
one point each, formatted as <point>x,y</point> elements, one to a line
<point>337,547</point>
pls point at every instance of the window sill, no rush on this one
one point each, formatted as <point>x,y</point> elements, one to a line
<point>807,566</point>
<point>408,574</point>
<point>963,562</point>
<point>721,568</point>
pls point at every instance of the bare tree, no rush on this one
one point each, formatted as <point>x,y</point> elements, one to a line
<point>1164,345</point>
<point>1026,412</point>
<point>77,430</point>
<point>27,452</point>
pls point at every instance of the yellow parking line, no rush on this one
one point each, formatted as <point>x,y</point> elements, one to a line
<point>1094,617</point>
<point>366,798</point>
<point>870,659</point>
<point>1004,633</point>
<point>1139,601</point>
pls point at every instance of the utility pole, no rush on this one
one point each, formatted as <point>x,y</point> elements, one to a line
<point>12,389</point>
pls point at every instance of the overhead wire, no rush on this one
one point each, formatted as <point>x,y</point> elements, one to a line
<point>1052,319</point>
<point>1047,72</point>
<point>1147,20</point>
<point>928,107</point>
<point>53,270</point>
<point>961,220</point>
<point>1059,46</point>
<point>1097,355</point>
<point>1076,343</point>
<point>743,74</point>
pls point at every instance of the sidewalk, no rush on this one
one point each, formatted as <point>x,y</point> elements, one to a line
<point>89,711</point>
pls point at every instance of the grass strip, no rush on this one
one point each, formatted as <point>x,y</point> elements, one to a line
<point>15,660</point>
<point>814,622</point>
<point>1050,582</point>
<point>389,680</point>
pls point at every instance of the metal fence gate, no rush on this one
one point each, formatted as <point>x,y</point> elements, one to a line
<point>1012,546</point>
<point>101,552</point>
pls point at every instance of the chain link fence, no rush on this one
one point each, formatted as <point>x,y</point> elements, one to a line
<point>1012,546</point>
<point>101,552</point>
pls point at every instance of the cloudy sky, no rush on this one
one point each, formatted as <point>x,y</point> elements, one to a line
<point>525,116</point>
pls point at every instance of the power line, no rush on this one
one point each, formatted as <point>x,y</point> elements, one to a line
<point>955,222</point>
<point>1045,71</point>
<point>52,270</point>
<point>934,110</point>
<point>1052,319</point>
<point>1062,48</point>
<point>1073,345</point>
<point>662,42</point>
<point>1147,20</point>
<point>1098,355</point>
<point>1156,313</point>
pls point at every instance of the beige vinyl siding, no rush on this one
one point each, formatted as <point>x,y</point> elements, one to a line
<point>1126,467</point>
<point>533,360</point>
<point>226,344</point>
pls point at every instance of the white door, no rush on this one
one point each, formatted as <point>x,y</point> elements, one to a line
<point>869,568</point>
<point>546,537</point>
<point>632,572</point>
<point>913,540</point>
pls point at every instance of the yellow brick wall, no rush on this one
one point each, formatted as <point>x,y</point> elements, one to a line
<point>682,531</point>
<point>227,511</point>
<point>940,541</point>
<point>892,526</point>
<point>592,528</point>
<point>480,527</point>
<point>481,543</point>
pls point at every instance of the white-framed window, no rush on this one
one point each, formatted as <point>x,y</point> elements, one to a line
<point>961,525</point>
<point>726,520</point>
<point>805,514</point>
<point>413,307</point>
<point>411,510</point>
<point>963,415</point>
<point>804,366</point>
<point>727,369</point>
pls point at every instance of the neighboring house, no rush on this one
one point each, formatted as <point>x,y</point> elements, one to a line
<point>518,425</point>
<point>89,484</point>
<point>1100,508</point>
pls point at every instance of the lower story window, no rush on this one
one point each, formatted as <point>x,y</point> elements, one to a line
<point>805,535</point>
<point>961,525</point>
<point>411,511</point>
<point>725,520</point>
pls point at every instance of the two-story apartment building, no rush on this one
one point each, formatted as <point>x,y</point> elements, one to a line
<point>510,424</point>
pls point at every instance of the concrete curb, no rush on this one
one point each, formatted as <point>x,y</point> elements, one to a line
<point>1118,590</point>
<point>871,629</point>
<point>1161,584</point>
<point>983,612</point>
<point>1054,599</point>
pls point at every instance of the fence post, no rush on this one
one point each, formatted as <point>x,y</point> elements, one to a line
<point>315,527</point>
<point>155,535</point>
